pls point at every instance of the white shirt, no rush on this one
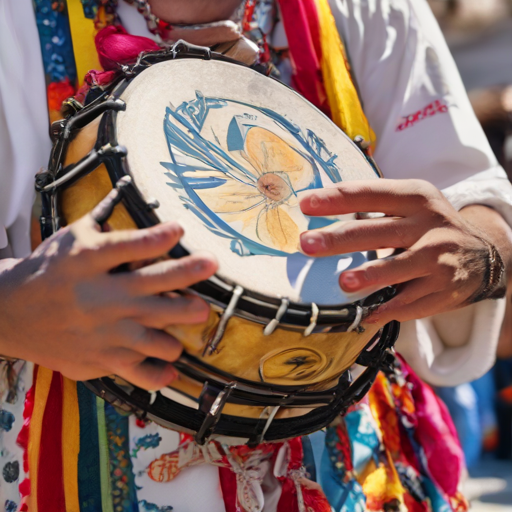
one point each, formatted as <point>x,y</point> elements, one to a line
<point>24,140</point>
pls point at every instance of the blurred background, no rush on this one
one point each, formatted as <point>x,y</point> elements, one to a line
<point>479,34</point>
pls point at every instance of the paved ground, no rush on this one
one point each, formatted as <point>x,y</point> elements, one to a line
<point>490,487</point>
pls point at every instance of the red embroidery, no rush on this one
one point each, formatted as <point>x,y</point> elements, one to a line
<point>430,110</point>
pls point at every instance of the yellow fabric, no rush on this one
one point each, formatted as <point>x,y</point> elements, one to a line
<point>383,486</point>
<point>70,444</point>
<point>82,34</point>
<point>346,109</point>
<point>43,383</point>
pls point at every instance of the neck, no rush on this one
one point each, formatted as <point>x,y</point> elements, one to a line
<point>192,12</point>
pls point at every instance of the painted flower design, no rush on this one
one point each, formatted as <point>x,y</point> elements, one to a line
<point>239,169</point>
<point>263,204</point>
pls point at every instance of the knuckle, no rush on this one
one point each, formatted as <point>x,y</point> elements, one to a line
<point>340,237</point>
<point>422,188</point>
<point>403,234</point>
<point>138,336</point>
<point>372,273</point>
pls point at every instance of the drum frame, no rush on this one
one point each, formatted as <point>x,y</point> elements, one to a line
<point>229,297</point>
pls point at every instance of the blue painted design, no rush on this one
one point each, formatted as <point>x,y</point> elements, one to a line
<point>183,127</point>
<point>6,420</point>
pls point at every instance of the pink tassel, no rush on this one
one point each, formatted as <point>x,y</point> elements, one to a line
<point>116,47</point>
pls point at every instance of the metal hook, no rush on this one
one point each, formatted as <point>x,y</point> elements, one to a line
<point>314,318</point>
<point>271,326</point>
<point>223,322</point>
<point>355,324</point>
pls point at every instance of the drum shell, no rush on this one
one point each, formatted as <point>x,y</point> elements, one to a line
<point>285,357</point>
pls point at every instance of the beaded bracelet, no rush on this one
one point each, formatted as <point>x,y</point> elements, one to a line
<point>494,285</point>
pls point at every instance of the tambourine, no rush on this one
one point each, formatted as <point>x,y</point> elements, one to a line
<point>186,134</point>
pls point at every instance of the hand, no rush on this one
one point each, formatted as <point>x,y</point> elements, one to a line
<point>443,263</point>
<point>61,308</point>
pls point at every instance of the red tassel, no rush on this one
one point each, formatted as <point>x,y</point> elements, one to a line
<point>304,50</point>
<point>115,47</point>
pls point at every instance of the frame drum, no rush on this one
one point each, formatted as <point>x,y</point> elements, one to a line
<point>226,151</point>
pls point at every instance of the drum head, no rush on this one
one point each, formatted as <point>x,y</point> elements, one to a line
<point>227,153</point>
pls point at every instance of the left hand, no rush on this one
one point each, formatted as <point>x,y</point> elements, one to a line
<point>444,256</point>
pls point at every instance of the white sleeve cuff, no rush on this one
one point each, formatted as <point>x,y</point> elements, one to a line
<point>421,344</point>
<point>490,188</point>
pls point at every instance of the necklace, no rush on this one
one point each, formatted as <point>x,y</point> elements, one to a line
<point>152,21</point>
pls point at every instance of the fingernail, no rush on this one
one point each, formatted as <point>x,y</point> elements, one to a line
<point>312,243</point>
<point>349,280</point>
<point>314,202</point>
<point>173,374</point>
<point>200,266</point>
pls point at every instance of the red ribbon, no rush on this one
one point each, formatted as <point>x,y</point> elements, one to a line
<point>302,27</point>
<point>50,477</point>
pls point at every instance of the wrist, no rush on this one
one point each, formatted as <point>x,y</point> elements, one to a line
<point>493,229</point>
<point>494,283</point>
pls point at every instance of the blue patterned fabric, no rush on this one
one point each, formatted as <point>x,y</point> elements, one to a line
<point>124,494</point>
<point>56,45</point>
<point>89,484</point>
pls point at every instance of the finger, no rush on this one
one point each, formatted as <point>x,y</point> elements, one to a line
<point>399,198</point>
<point>150,374</point>
<point>103,211</point>
<point>156,343</point>
<point>168,275</point>
<point>160,312</point>
<point>390,271</point>
<point>406,307</point>
<point>362,235</point>
<point>105,251</point>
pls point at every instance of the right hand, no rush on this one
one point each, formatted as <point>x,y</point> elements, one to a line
<point>61,307</point>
